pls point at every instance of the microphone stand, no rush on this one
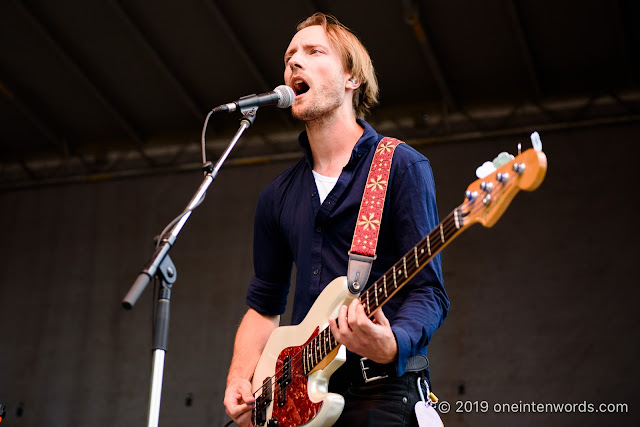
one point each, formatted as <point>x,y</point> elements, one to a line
<point>162,268</point>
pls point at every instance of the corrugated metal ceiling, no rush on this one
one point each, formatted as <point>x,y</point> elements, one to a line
<point>105,86</point>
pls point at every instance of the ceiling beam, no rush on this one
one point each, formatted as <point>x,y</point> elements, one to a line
<point>242,51</point>
<point>193,106</point>
<point>415,141</point>
<point>72,65</point>
<point>525,50</point>
<point>59,143</point>
<point>619,27</point>
<point>238,46</point>
<point>412,18</point>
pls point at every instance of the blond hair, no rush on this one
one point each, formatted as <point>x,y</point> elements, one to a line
<point>355,60</point>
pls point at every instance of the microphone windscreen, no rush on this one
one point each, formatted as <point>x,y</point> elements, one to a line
<point>286,95</point>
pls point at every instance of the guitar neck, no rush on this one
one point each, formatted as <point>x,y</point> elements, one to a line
<point>409,265</point>
<point>386,286</point>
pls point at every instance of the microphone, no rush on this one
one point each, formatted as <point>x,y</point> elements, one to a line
<point>281,97</point>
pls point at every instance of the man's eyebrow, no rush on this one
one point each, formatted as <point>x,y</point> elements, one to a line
<point>305,46</point>
<point>290,52</point>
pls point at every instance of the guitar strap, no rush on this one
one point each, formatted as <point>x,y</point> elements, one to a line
<point>365,236</point>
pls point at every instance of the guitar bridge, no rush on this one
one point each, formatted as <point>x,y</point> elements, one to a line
<point>262,402</point>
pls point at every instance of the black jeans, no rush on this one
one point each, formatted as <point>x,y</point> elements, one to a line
<point>384,402</point>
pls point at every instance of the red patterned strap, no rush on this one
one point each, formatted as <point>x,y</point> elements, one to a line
<point>365,236</point>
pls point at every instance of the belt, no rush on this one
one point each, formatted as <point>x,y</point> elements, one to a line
<point>367,370</point>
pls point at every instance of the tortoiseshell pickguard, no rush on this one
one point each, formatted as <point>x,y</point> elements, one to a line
<point>298,410</point>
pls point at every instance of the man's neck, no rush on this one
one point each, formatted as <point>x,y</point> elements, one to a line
<point>332,141</point>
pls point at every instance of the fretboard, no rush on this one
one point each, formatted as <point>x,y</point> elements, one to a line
<point>386,286</point>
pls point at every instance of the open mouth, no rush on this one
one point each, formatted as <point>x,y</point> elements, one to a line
<point>300,87</point>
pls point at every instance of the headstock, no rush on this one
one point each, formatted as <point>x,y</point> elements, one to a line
<point>487,198</point>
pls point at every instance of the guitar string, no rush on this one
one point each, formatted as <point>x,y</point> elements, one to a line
<point>295,362</point>
<point>448,224</point>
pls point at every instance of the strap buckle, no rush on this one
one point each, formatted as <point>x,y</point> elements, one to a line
<point>366,368</point>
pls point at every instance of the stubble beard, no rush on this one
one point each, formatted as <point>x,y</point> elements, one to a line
<point>326,100</point>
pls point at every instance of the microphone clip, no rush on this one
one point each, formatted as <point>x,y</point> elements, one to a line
<point>248,115</point>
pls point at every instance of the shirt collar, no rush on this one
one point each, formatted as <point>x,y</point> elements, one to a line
<point>368,138</point>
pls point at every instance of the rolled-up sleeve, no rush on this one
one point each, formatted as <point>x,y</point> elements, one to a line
<point>272,259</point>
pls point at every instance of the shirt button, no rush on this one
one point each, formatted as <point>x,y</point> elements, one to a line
<point>313,194</point>
<point>315,272</point>
<point>319,229</point>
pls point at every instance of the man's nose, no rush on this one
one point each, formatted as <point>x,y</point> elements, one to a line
<point>295,61</point>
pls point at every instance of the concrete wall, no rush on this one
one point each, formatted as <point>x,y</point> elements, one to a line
<point>544,305</point>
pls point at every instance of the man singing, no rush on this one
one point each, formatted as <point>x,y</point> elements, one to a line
<point>307,216</point>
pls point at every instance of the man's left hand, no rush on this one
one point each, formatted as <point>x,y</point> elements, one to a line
<point>359,334</point>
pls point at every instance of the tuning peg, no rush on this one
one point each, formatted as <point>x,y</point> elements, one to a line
<point>536,142</point>
<point>484,170</point>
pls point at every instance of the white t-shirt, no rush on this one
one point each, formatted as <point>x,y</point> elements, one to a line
<point>324,184</point>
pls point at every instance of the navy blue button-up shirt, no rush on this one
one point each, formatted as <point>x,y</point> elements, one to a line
<point>292,226</point>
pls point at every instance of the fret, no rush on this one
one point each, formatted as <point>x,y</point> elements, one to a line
<point>324,342</point>
<point>304,359</point>
<point>315,357</point>
<point>384,277</point>
<point>404,261</point>
<point>367,310</point>
<point>456,218</point>
<point>375,291</point>
<point>429,244</point>
<point>415,254</point>
<point>395,285</point>
<point>441,233</point>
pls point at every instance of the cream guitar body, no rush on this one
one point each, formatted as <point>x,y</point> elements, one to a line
<point>301,399</point>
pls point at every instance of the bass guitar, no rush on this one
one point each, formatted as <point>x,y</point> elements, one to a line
<point>291,379</point>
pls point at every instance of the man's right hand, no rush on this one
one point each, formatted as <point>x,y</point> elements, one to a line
<point>239,401</point>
